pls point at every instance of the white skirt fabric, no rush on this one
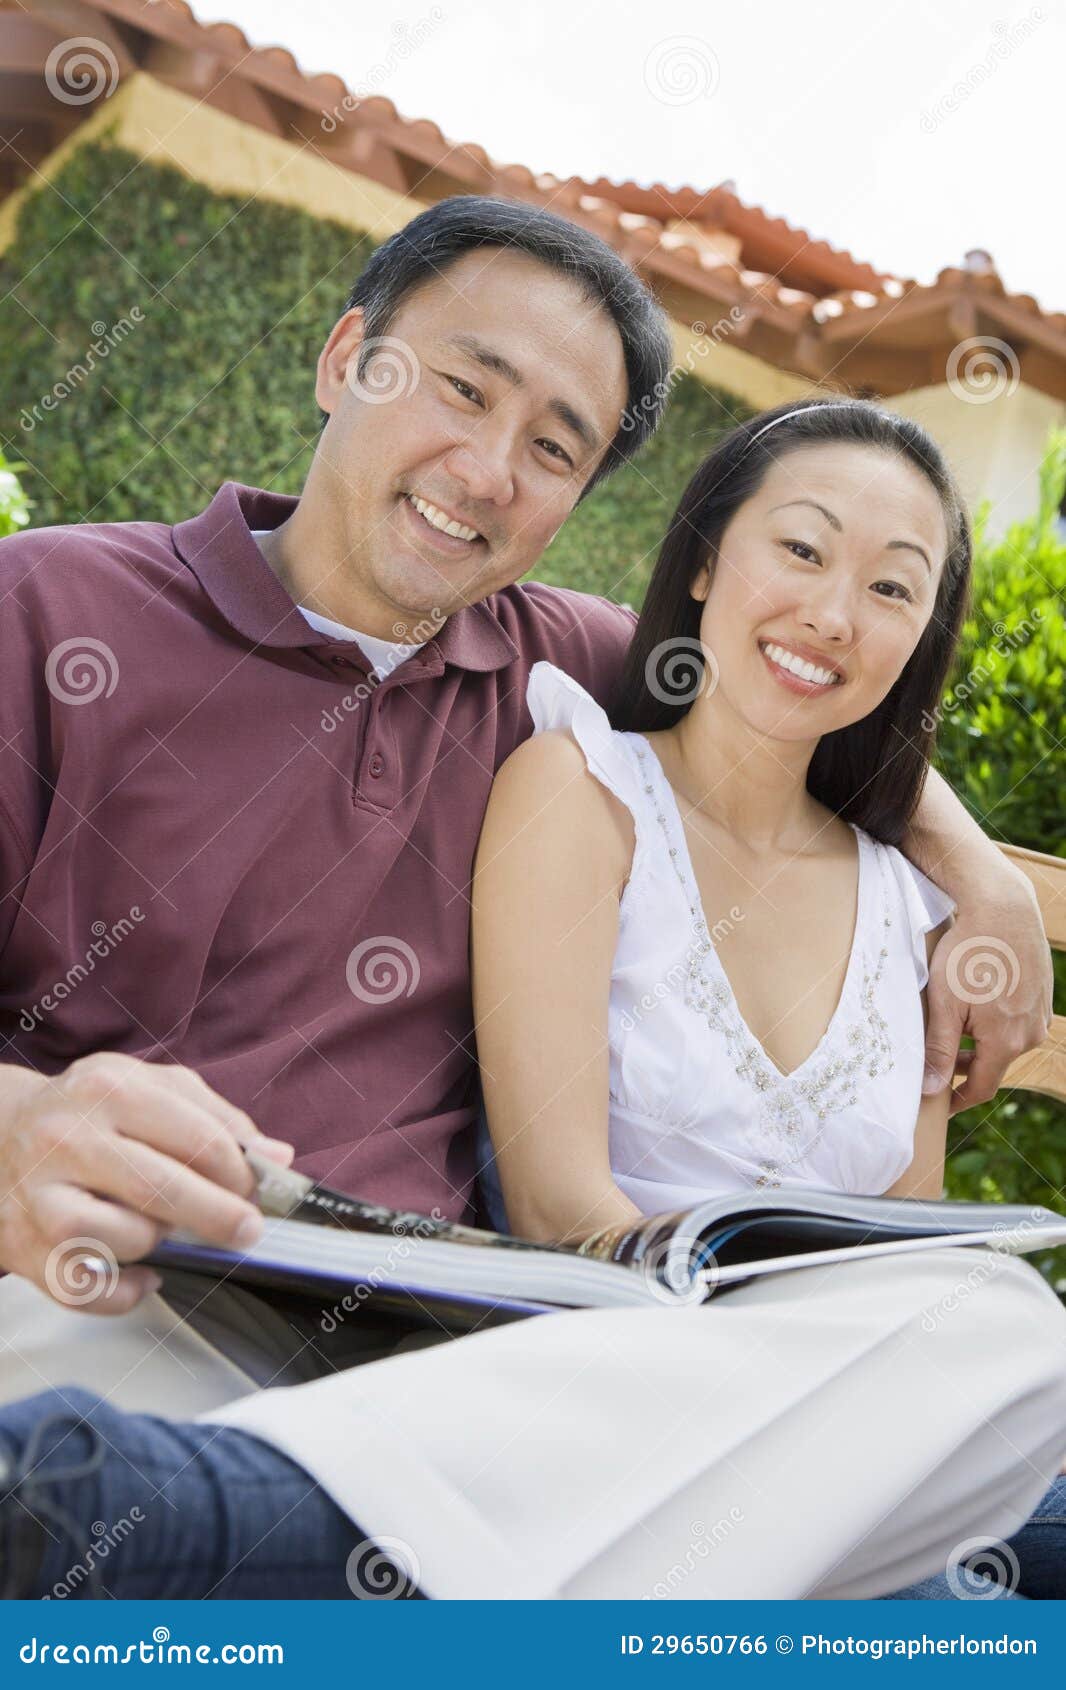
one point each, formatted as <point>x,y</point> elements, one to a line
<point>148,1361</point>
<point>835,1431</point>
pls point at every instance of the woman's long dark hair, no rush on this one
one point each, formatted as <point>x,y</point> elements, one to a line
<point>873,771</point>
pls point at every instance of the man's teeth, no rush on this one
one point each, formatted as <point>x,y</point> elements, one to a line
<point>799,666</point>
<point>437,519</point>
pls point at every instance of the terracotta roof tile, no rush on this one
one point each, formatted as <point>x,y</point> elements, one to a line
<point>707,242</point>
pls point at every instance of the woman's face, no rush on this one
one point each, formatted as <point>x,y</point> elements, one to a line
<point>835,560</point>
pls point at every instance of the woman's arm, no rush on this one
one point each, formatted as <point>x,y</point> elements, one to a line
<point>554,852</point>
<point>997,912</point>
<point>925,1176</point>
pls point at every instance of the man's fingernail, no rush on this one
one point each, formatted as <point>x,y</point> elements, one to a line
<point>275,1148</point>
<point>932,1083</point>
<point>249,1231</point>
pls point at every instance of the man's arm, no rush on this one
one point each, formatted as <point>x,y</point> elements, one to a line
<point>991,975</point>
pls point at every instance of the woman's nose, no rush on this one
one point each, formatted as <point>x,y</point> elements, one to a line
<point>828,613</point>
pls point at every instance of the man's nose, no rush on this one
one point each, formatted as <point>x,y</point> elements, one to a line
<point>483,465</point>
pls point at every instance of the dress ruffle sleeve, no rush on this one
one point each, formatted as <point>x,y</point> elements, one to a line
<point>926,906</point>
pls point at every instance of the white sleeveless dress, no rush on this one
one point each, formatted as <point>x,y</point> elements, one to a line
<point>697,1107</point>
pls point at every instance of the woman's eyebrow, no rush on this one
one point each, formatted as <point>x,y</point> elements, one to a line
<point>834,521</point>
<point>489,359</point>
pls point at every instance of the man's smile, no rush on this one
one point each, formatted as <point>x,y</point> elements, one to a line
<point>430,524</point>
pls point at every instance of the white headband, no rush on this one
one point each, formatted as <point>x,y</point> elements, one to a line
<point>831,405</point>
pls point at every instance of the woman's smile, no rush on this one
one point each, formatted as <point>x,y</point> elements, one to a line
<point>796,673</point>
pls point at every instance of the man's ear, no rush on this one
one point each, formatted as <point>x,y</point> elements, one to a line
<point>342,347</point>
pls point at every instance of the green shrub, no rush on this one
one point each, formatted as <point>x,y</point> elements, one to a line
<point>207,313</point>
<point>14,505</point>
<point>1000,745</point>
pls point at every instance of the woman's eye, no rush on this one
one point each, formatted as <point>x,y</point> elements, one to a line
<point>464,388</point>
<point>800,546</point>
<point>900,591</point>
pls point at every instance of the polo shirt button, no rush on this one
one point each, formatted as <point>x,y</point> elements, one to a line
<point>341,662</point>
<point>376,764</point>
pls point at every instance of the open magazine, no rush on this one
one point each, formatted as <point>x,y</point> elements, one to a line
<point>323,1242</point>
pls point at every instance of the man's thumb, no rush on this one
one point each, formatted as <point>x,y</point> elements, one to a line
<point>941,1051</point>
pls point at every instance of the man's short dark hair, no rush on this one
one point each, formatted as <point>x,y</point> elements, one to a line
<point>422,250</point>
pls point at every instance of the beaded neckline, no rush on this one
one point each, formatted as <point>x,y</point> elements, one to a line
<point>762,1067</point>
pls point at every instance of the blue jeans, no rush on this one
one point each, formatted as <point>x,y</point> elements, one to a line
<point>1029,1565</point>
<point>97,1502</point>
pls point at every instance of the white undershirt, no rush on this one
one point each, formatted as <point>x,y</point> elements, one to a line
<point>383,655</point>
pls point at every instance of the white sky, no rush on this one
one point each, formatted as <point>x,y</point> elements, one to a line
<point>834,115</point>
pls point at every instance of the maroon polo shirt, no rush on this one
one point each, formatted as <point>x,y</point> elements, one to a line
<point>215,850</point>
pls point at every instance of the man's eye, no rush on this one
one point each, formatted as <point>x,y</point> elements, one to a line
<point>464,388</point>
<point>554,447</point>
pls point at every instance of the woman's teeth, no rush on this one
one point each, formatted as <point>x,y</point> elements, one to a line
<point>799,666</point>
<point>437,519</point>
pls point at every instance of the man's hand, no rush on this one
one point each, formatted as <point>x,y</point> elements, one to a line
<point>97,1163</point>
<point>990,977</point>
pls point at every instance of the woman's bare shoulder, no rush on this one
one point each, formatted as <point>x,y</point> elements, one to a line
<point>546,783</point>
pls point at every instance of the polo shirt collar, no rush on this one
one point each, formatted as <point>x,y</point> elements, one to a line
<point>218,547</point>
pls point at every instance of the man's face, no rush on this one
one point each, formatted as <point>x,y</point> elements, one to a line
<point>492,399</point>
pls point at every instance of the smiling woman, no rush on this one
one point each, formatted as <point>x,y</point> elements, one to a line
<point>810,583</point>
<point>833,530</point>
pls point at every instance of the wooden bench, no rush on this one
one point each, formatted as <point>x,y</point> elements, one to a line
<point>1044,1069</point>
